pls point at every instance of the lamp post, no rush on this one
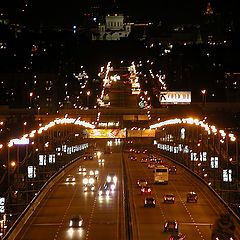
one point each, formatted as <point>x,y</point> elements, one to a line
<point>24,127</point>
<point>88,94</point>
<point>234,139</point>
<point>8,162</point>
<point>30,98</point>
<point>204,92</point>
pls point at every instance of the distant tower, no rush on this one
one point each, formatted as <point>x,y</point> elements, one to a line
<point>209,14</point>
<point>211,27</point>
<point>209,10</point>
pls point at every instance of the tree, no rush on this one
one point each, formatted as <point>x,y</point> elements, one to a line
<point>224,228</point>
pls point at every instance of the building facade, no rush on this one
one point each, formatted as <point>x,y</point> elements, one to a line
<point>114,28</point>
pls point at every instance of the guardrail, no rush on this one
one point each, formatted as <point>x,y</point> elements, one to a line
<point>29,210</point>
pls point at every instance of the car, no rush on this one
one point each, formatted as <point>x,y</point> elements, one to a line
<point>146,190</point>
<point>149,202</point>
<point>172,170</point>
<point>144,160</point>
<point>192,197</point>
<point>101,161</point>
<point>90,157</point>
<point>151,165</point>
<point>112,177</point>
<point>133,158</point>
<point>171,226</point>
<point>110,185</point>
<point>89,180</point>
<point>88,188</point>
<point>76,221</point>
<point>70,179</point>
<point>169,198</point>
<point>82,169</point>
<point>142,182</point>
<point>104,191</point>
<point>178,236</point>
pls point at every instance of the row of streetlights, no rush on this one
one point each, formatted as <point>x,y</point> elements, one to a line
<point>211,150</point>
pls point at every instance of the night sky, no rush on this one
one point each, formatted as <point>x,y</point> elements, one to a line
<point>178,11</point>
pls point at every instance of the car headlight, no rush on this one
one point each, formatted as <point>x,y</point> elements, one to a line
<point>80,223</point>
<point>85,181</point>
<point>91,181</point>
<point>71,223</point>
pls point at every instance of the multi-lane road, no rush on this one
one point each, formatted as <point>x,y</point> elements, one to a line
<point>105,217</point>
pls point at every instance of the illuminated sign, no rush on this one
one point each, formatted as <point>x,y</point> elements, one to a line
<point>180,97</point>
<point>141,133</point>
<point>22,141</point>
<point>31,171</point>
<point>106,133</point>
<point>227,175</point>
<point>42,160</point>
<point>2,203</point>
<point>214,162</point>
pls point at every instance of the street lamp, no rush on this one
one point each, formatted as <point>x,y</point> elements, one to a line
<point>88,94</point>
<point>30,98</point>
<point>234,139</point>
<point>204,93</point>
<point>24,127</point>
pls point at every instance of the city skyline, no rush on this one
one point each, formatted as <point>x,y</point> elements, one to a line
<point>43,12</point>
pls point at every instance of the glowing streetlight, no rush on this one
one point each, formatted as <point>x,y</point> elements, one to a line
<point>204,93</point>
<point>88,94</point>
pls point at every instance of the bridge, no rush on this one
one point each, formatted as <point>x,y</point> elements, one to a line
<point>40,202</point>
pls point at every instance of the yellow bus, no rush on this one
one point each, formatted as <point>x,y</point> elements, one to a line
<point>160,174</point>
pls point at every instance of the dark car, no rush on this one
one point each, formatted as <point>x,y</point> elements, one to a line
<point>178,236</point>
<point>171,226</point>
<point>192,197</point>
<point>146,190</point>
<point>172,170</point>
<point>76,221</point>
<point>142,183</point>
<point>169,198</point>
<point>149,202</point>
